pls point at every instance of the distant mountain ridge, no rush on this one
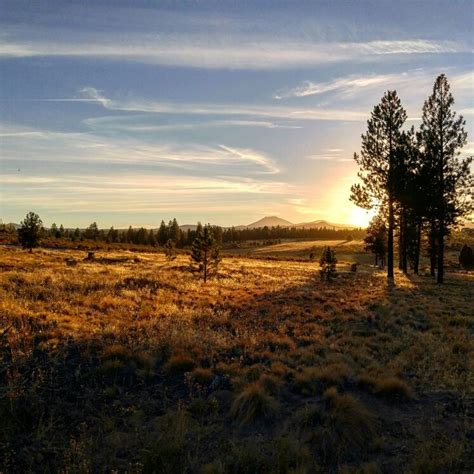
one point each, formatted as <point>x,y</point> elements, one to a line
<point>269,221</point>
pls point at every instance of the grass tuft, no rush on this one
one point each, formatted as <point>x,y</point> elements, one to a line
<point>348,427</point>
<point>391,388</point>
<point>179,364</point>
<point>312,380</point>
<point>253,403</point>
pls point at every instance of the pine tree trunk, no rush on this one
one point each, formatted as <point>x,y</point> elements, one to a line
<point>376,259</point>
<point>390,239</point>
<point>440,277</point>
<point>432,248</point>
<point>402,243</point>
<point>416,263</point>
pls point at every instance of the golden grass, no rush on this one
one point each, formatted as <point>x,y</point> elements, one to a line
<point>95,358</point>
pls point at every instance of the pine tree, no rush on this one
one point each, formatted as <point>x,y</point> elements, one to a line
<point>30,231</point>
<point>112,235</point>
<point>170,250</point>
<point>327,262</point>
<point>53,232</point>
<point>442,135</point>
<point>205,253</point>
<point>130,236</point>
<point>376,239</point>
<point>174,232</point>
<point>92,232</point>
<point>61,231</point>
<point>377,163</point>
<point>151,238</point>
<point>162,234</point>
<point>76,235</point>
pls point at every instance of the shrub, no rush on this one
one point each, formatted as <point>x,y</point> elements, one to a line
<point>466,257</point>
<point>327,262</point>
<point>281,342</point>
<point>202,376</point>
<point>168,453</point>
<point>179,364</point>
<point>117,352</point>
<point>348,427</point>
<point>253,403</point>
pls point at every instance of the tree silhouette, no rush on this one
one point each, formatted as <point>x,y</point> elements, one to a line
<point>377,163</point>
<point>376,239</point>
<point>30,231</point>
<point>92,232</point>
<point>174,232</point>
<point>442,135</point>
<point>327,264</point>
<point>162,233</point>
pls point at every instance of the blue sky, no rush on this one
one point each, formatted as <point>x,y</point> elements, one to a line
<point>132,112</point>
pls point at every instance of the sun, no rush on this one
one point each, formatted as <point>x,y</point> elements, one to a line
<point>360,217</point>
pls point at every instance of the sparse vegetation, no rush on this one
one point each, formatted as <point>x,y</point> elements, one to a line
<point>125,361</point>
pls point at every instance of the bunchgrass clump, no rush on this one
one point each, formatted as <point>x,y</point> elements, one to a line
<point>312,380</point>
<point>391,388</point>
<point>347,429</point>
<point>254,403</point>
<point>179,364</point>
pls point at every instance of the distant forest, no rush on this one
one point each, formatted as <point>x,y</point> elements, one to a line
<point>184,238</point>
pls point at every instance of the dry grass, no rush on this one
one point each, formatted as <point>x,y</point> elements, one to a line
<point>387,387</point>
<point>254,403</point>
<point>99,358</point>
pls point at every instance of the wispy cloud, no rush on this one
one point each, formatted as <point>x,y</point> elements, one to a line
<point>21,143</point>
<point>227,110</point>
<point>151,123</point>
<point>227,52</point>
<point>332,155</point>
<point>355,85</point>
<point>340,84</point>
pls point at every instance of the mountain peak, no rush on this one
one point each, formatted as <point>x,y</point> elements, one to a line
<point>270,221</point>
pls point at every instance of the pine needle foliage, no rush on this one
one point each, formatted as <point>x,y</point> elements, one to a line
<point>30,231</point>
<point>205,256</point>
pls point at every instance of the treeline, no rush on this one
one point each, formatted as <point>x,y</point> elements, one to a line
<point>416,179</point>
<point>271,233</point>
<point>136,236</point>
<point>184,238</point>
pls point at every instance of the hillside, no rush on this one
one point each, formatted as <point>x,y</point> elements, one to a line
<point>321,223</point>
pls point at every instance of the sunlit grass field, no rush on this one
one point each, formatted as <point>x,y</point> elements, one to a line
<point>132,364</point>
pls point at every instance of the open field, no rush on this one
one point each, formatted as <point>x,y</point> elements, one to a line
<point>131,364</point>
<point>347,251</point>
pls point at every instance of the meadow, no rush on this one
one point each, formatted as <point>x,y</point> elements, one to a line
<point>130,363</point>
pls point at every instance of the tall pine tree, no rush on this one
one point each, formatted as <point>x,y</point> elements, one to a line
<point>442,135</point>
<point>377,163</point>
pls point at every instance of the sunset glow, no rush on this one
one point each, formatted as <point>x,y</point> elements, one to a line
<point>230,114</point>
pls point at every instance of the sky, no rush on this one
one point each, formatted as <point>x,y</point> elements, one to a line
<point>127,113</point>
